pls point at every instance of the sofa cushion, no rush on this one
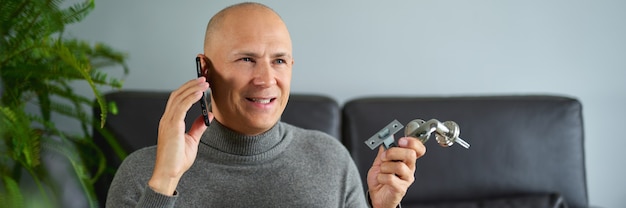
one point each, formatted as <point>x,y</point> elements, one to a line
<point>519,145</point>
<point>520,201</point>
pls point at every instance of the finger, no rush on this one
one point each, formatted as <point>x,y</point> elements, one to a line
<point>414,144</point>
<point>402,155</point>
<point>189,88</point>
<point>191,92</point>
<point>380,155</point>
<point>398,169</point>
<point>409,150</point>
<point>394,182</point>
<point>198,127</point>
<point>181,100</point>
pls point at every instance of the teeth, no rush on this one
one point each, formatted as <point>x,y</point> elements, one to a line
<point>262,101</point>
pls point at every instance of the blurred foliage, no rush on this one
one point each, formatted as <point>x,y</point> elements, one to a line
<point>38,67</point>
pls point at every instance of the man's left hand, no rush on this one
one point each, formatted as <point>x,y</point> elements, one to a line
<point>393,172</point>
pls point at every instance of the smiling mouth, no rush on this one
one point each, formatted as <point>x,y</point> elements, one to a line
<point>261,100</point>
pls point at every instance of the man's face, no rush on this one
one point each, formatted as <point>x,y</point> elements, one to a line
<point>252,58</point>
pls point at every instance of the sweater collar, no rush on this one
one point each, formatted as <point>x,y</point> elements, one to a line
<point>225,140</point>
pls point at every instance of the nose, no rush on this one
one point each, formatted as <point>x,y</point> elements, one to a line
<point>264,75</point>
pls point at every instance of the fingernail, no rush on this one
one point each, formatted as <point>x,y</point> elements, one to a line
<point>403,142</point>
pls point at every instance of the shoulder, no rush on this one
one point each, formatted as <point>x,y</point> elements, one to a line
<point>316,142</point>
<point>311,136</point>
<point>131,177</point>
<point>142,154</point>
<point>141,159</point>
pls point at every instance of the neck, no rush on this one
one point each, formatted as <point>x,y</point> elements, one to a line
<point>226,140</point>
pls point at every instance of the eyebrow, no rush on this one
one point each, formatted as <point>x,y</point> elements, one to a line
<point>281,55</point>
<point>256,55</point>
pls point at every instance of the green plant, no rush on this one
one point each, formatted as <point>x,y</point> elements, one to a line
<point>38,69</point>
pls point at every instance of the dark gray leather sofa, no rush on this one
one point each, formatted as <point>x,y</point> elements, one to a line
<point>526,151</point>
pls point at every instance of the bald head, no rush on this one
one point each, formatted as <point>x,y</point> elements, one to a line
<point>238,13</point>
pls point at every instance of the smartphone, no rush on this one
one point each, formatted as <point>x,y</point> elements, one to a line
<point>204,104</point>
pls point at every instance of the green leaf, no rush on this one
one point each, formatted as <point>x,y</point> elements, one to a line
<point>23,142</point>
<point>113,108</point>
<point>11,196</point>
<point>77,12</point>
<point>82,171</point>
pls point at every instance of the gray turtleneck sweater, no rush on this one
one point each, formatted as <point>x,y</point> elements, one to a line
<point>284,167</point>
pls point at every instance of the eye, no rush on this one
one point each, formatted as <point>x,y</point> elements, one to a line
<point>280,61</point>
<point>247,59</point>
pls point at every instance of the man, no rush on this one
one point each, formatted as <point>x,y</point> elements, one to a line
<point>247,157</point>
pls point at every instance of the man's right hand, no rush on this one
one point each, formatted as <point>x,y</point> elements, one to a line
<point>177,150</point>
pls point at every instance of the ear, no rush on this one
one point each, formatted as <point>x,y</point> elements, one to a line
<point>207,68</point>
<point>203,63</point>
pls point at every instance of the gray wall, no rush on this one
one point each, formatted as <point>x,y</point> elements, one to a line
<point>349,49</point>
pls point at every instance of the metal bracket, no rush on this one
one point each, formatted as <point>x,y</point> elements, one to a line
<point>385,136</point>
<point>446,133</point>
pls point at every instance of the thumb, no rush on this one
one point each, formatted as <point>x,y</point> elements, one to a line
<point>414,144</point>
<point>381,154</point>
<point>198,127</point>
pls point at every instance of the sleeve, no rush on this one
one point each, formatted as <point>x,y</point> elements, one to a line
<point>369,201</point>
<point>129,187</point>
<point>355,196</point>
<point>151,198</point>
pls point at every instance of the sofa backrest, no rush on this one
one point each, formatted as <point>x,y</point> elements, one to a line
<point>520,145</point>
<point>315,112</point>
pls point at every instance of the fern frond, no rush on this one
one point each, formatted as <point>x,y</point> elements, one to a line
<point>100,56</point>
<point>26,74</point>
<point>65,91</point>
<point>79,168</point>
<point>102,51</point>
<point>66,110</point>
<point>44,100</point>
<point>113,143</point>
<point>66,55</point>
<point>49,128</point>
<point>78,103</point>
<point>8,11</point>
<point>23,142</point>
<point>11,195</point>
<point>91,156</point>
<point>77,12</point>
